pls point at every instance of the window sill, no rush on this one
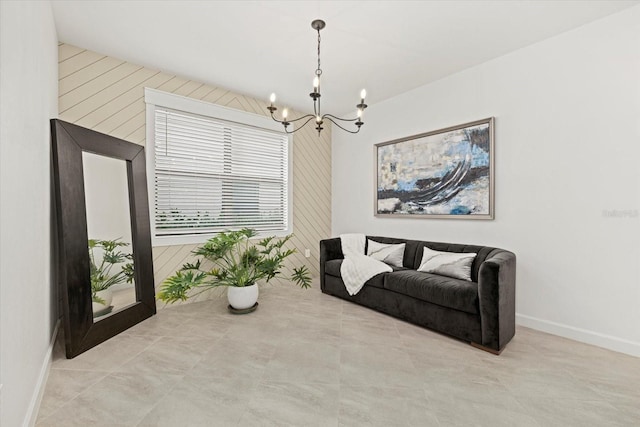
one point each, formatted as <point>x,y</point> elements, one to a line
<point>201,238</point>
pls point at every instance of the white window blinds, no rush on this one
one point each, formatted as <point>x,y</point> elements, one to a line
<point>213,175</point>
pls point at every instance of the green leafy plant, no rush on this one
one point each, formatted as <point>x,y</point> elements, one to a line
<point>237,262</point>
<point>101,273</point>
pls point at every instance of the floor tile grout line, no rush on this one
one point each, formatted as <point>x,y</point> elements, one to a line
<point>122,362</point>
<point>160,399</point>
<point>77,394</point>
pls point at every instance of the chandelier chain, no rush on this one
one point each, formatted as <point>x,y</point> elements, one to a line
<point>319,70</point>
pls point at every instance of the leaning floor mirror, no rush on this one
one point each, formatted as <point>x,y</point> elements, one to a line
<point>105,266</point>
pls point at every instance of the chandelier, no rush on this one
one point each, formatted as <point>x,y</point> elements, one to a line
<point>317,116</point>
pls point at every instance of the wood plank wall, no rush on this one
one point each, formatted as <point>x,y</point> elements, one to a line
<point>107,95</point>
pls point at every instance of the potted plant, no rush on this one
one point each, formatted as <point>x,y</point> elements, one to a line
<point>238,264</point>
<point>102,274</point>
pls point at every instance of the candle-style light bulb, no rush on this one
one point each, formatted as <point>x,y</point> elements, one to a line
<point>272,98</point>
<point>285,112</point>
<point>316,83</point>
<point>363,94</point>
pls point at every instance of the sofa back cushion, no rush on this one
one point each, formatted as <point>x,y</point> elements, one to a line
<point>414,249</point>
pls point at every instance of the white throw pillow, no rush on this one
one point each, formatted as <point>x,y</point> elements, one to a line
<point>451,264</point>
<point>389,254</point>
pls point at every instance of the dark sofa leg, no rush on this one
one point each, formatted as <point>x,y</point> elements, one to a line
<point>487,349</point>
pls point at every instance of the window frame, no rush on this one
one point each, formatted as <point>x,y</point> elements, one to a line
<point>156,98</point>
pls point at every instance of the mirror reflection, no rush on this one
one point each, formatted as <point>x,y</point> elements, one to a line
<point>109,232</point>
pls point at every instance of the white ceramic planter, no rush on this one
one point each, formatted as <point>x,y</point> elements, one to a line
<point>242,298</point>
<point>107,296</point>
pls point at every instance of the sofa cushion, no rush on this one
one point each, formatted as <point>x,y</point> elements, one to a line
<point>332,268</point>
<point>445,291</point>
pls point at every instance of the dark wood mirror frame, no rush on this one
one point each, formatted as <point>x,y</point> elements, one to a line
<point>69,142</point>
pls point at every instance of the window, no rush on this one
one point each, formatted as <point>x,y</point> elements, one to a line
<point>212,168</point>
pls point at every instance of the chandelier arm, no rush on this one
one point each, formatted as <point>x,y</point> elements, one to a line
<point>303,125</point>
<point>331,116</point>
<point>337,124</point>
<point>311,116</point>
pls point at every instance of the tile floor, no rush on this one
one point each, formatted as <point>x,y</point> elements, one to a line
<point>308,359</point>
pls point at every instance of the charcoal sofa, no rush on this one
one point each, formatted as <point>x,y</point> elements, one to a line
<point>480,311</point>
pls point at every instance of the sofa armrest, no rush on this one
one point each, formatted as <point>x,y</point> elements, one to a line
<point>497,297</point>
<point>329,249</point>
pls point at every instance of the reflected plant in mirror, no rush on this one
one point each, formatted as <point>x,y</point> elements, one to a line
<point>109,265</point>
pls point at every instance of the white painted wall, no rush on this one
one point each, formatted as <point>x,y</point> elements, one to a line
<point>567,149</point>
<point>29,89</point>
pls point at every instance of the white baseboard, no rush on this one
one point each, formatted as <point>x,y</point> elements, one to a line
<point>594,338</point>
<point>36,399</point>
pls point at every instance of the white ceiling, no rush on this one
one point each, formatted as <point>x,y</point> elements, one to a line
<point>259,47</point>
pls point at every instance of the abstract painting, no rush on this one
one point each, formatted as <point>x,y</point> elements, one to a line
<point>447,173</point>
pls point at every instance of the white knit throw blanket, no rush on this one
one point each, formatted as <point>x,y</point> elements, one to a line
<point>357,267</point>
